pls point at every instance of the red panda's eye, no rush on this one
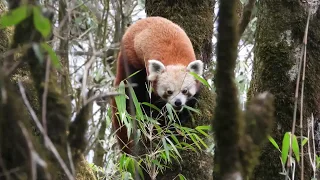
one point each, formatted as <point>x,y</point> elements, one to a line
<point>169,92</point>
<point>185,91</point>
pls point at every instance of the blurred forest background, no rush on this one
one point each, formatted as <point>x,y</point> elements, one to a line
<point>58,66</point>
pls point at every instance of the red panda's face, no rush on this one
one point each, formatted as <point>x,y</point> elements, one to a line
<point>174,82</point>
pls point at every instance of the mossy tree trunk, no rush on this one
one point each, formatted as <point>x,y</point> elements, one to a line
<point>279,34</point>
<point>238,134</point>
<point>196,18</point>
<point>33,156</point>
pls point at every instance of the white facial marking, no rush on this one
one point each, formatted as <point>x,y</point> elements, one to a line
<point>155,68</point>
<point>196,67</point>
<point>183,98</point>
<point>176,78</point>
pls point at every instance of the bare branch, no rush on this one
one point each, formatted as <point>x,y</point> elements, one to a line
<point>246,16</point>
<point>35,158</point>
<point>44,97</point>
<point>51,146</point>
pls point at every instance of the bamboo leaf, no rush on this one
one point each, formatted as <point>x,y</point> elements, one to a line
<point>14,17</point>
<point>285,147</point>
<point>304,141</point>
<point>53,56</point>
<point>166,148</point>
<point>273,142</point>
<point>41,23</point>
<point>295,147</point>
<point>199,78</point>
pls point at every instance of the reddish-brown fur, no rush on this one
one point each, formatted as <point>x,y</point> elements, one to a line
<point>150,38</point>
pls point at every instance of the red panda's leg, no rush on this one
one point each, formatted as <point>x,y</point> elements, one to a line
<point>120,129</point>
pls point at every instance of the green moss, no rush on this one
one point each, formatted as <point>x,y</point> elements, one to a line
<point>13,113</point>
<point>84,171</point>
<point>259,119</point>
<point>228,123</point>
<point>274,57</point>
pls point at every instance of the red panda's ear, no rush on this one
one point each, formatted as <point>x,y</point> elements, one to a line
<point>155,68</point>
<point>196,67</point>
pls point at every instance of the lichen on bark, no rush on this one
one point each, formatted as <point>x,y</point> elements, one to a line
<point>279,34</point>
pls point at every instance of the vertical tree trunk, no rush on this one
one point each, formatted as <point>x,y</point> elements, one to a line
<point>64,47</point>
<point>279,35</point>
<point>33,158</point>
<point>196,18</point>
<point>228,122</point>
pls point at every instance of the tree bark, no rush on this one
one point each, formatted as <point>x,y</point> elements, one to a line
<point>28,153</point>
<point>196,18</point>
<point>99,150</point>
<point>279,34</point>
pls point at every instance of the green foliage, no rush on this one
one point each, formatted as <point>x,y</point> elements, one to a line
<point>128,167</point>
<point>202,80</point>
<point>317,161</point>
<point>99,171</point>
<point>286,146</point>
<point>166,141</point>
<point>121,105</point>
<point>295,147</point>
<point>41,23</point>
<point>274,143</point>
<point>53,56</point>
<point>14,17</point>
<point>181,177</point>
<point>45,48</point>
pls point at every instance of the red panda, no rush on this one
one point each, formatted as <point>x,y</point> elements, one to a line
<point>164,54</point>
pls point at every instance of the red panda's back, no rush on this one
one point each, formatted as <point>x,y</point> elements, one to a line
<point>157,38</point>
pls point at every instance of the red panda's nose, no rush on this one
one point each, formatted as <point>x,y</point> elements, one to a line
<point>178,102</point>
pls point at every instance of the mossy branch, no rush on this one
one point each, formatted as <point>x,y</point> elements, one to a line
<point>228,123</point>
<point>14,150</point>
<point>259,118</point>
<point>27,151</point>
<point>238,139</point>
<point>78,128</point>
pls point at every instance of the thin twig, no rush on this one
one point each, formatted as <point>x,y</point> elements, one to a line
<point>71,159</point>
<point>34,157</point>
<point>312,160</point>
<point>44,98</point>
<point>87,68</point>
<point>13,51</point>
<point>51,146</point>
<point>314,148</point>
<point>302,60</point>
<point>108,95</point>
<point>246,16</point>
<point>305,39</point>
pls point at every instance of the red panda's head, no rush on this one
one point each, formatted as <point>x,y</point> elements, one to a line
<point>174,83</point>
